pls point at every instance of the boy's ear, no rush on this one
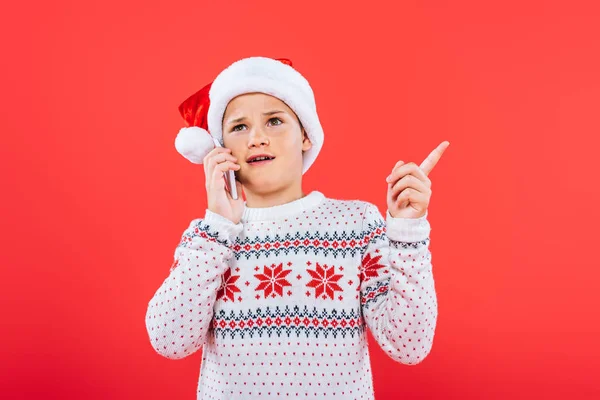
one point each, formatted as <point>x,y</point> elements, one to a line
<point>306,143</point>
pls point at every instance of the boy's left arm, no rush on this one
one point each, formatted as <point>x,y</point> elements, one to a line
<point>397,290</point>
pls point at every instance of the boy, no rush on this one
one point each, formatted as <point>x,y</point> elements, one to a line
<point>278,289</point>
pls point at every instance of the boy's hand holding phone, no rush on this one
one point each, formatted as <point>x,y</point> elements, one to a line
<point>216,164</point>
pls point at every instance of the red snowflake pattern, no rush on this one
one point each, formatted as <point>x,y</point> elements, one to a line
<point>228,287</point>
<point>369,267</point>
<point>324,281</point>
<point>272,280</point>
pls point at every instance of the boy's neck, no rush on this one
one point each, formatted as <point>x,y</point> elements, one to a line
<point>262,200</point>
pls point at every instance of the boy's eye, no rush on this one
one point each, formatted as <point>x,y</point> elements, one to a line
<point>273,121</point>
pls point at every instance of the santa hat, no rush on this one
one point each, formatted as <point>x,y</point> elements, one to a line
<point>203,111</point>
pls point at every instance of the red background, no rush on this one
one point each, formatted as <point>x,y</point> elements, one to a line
<point>96,196</point>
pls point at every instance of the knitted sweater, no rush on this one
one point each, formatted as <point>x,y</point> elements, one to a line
<point>279,302</point>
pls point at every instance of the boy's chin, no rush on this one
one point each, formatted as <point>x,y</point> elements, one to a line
<point>264,184</point>
<point>257,183</point>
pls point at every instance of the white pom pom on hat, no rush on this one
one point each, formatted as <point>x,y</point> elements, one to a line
<point>194,143</point>
<point>204,110</point>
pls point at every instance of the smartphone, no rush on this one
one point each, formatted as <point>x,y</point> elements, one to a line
<point>229,177</point>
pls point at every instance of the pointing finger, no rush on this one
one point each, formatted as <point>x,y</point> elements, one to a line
<point>433,157</point>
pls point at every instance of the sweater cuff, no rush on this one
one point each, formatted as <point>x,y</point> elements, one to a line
<point>407,229</point>
<point>224,229</point>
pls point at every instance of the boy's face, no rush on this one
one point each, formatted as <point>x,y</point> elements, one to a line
<point>257,123</point>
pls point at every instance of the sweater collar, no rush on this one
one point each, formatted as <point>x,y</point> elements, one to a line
<point>282,210</point>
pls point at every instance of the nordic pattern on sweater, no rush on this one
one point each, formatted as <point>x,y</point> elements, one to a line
<point>280,302</point>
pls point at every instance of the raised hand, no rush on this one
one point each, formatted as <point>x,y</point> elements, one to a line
<point>409,187</point>
<point>216,163</point>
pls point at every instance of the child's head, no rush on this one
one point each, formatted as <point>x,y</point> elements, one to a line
<point>258,123</point>
<point>249,88</point>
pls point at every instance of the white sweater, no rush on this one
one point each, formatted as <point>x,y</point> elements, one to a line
<point>279,302</point>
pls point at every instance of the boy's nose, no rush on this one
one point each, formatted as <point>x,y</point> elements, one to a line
<point>257,137</point>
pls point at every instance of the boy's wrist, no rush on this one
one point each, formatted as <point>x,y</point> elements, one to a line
<point>407,229</point>
<point>225,229</point>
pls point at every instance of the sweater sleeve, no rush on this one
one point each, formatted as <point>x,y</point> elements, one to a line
<point>180,312</point>
<point>398,298</point>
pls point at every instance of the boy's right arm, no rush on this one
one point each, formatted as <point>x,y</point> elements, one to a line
<point>180,312</point>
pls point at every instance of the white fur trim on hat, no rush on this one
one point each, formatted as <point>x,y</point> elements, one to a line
<point>269,76</point>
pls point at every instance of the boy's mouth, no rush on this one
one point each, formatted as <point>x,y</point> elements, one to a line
<point>260,162</point>
<point>260,159</point>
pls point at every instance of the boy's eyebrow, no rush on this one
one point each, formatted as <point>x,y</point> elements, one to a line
<point>236,120</point>
<point>240,119</point>
<point>272,112</point>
